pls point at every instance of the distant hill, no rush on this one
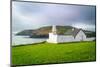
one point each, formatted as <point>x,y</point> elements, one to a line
<point>44,31</point>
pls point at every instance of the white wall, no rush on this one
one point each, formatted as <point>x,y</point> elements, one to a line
<point>52,38</point>
<point>63,38</point>
<point>90,39</point>
<point>80,36</point>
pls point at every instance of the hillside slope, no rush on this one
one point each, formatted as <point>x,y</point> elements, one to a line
<point>44,31</point>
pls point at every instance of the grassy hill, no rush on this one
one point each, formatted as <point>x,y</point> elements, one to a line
<point>43,31</point>
<point>48,53</point>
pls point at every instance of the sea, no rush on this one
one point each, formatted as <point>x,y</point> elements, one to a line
<point>19,40</point>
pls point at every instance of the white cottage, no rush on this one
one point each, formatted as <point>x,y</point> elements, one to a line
<point>71,36</point>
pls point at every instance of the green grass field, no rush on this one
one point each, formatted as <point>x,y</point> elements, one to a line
<point>45,53</point>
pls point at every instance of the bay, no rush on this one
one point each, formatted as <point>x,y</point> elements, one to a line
<point>18,40</point>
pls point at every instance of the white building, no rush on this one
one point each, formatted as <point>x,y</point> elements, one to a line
<point>71,36</point>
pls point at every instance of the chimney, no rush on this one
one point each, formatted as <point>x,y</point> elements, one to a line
<point>54,29</point>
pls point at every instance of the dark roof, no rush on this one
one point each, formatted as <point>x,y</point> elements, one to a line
<point>73,32</point>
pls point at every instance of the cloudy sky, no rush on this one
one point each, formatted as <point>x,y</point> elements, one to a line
<point>29,15</point>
